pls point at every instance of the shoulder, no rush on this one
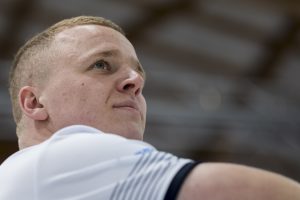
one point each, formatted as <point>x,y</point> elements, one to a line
<point>81,155</point>
<point>231,181</point>
<point>100,164</point>
<point>17,173</point>
<point>84,141</point>
<point>78,147</point>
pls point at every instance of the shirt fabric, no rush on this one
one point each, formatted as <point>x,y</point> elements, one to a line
<point>82,163</point>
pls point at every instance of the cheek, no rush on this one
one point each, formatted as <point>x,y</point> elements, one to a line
<point>67,96</point>
<point>79,95</point>
<point>144,105</point>
<point>75,100</point>
<point>87,96</point>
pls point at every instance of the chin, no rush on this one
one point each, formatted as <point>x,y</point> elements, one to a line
<point>130,132</point>
<point>133,134</point>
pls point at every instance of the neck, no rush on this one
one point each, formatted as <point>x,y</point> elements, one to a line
<point>32,133</point>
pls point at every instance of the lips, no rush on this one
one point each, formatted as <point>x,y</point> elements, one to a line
<point>128,105</point>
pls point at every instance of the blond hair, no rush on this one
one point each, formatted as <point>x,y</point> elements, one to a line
<point>27,67</point>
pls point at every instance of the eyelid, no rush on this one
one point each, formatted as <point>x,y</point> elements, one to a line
<point>92,66</point>
<point>141,71</point>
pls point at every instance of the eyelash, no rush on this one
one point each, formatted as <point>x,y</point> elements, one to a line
<point>106,66</point>
<point>141,71</point>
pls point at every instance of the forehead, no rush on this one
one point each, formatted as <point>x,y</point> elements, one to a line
<point>84,38</point>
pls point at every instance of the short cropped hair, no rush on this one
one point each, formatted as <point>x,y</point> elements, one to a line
<point>27,68</point>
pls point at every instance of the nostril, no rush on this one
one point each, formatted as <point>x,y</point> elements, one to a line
<point>128,86</point>
<point>131,88</point>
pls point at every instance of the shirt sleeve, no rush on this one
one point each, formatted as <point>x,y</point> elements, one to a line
<point>178,180</point>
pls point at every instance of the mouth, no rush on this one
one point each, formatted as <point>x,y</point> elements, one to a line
<point>127,105</point>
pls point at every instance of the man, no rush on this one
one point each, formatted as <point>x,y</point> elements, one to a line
<point>76,91</point>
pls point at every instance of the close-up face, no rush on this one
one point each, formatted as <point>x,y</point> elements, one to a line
<point>97,80</point>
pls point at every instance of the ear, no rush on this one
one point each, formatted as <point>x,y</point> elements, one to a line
<point>30,105</point>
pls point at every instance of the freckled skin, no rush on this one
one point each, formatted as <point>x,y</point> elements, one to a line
<point>88,95</point>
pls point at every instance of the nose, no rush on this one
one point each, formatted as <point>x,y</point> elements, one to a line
<point>133,83</point>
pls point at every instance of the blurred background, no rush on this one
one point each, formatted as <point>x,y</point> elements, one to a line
<point>222,75</point>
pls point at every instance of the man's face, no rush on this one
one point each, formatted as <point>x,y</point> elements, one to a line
<point>96,80</point>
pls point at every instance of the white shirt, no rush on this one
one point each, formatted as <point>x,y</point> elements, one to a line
<point>82,163</point>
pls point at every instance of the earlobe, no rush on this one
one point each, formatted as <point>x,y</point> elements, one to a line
<point>30,105</point>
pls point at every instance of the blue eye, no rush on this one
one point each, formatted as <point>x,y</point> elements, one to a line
<point>102,65</point>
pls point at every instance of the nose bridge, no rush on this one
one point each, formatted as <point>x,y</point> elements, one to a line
<point>133,74</point>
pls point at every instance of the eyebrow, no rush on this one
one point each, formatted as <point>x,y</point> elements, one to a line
<point>108,53</point>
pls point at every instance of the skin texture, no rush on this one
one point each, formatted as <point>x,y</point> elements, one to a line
<point>95,79</point>
<point>223,181</point>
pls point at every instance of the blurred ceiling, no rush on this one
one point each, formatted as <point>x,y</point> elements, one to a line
<point>222,76</point>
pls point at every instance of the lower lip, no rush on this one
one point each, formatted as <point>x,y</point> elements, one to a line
<point>126,108</point>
